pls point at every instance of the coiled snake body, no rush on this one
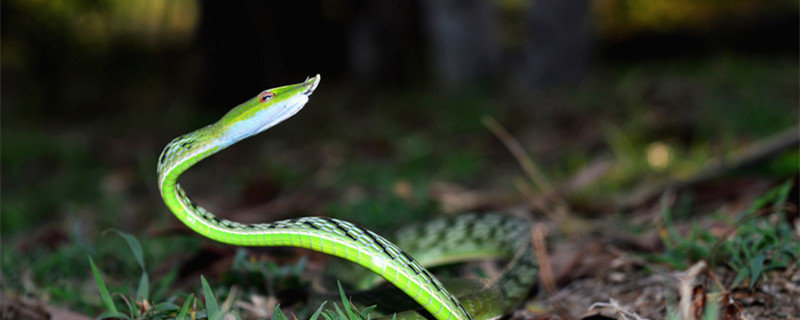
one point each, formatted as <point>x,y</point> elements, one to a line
<point>439,241</point>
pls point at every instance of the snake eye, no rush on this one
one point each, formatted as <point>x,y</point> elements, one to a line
<point>266,96</point>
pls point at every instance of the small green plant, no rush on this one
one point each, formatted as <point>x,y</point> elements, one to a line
<point>350,311</point>
<point>139,306</point>
<point>263,275</point>
<point>761,245</point>
<point>753,246</point>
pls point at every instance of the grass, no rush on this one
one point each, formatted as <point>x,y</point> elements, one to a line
<point>139,305</point>
<point>761,241</point>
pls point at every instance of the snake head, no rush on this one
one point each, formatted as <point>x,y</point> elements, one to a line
<point>265,110</point>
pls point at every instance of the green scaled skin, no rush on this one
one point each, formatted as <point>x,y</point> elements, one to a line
<point>330,236</point>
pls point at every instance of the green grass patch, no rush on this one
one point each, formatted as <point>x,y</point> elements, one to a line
<point>761,241</point>
<point>138,305</point>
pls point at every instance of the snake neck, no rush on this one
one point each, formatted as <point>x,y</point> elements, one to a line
<point>185,151</point>
<point>179,155</point>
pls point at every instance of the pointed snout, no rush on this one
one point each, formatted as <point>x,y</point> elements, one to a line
<point>311,84</point>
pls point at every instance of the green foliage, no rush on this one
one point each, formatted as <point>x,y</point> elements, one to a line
<point>758,245</point>
<point>211,301</point>
<point>350,311</point>
<point>761,246</point>
<point>785,165</point>
<point>143,291</point>
<point>277,314</point>
<point>141,307</point>
<point>101,286</point>
<point>261,275</point>
<point>182,314</point>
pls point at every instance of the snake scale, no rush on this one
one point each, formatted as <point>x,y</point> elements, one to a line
<point>442,240</point>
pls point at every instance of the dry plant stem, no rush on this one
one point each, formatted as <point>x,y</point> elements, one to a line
<point>527,165</point>
<point>687,288</point>
<point>538,203</point>
<point>621,312</point>
<point>519,153</point>
<point>259,306</point>
<point>538,237</point>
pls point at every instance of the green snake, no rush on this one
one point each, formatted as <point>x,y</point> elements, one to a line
<point>443,240</point>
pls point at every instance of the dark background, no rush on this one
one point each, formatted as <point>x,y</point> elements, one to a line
<point>92,90</point>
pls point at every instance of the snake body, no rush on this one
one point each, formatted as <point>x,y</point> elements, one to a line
<point>468,236</point>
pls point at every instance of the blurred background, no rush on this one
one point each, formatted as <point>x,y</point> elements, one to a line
<point>612,99</point>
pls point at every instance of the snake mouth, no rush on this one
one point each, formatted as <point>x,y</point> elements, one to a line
<point>312,84</point>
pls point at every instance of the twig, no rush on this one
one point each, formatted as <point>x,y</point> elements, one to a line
<point>621,312</point>
<point>538,236</point>
<point>538,203</point>
<point>687,290</point>
<point>531,169</point>
<point>519,154</point>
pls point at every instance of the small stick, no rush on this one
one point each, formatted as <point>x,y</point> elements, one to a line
<point>545,270</point>
<point>527,165</point>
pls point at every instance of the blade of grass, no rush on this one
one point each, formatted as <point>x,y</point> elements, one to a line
<point>316,313</point>
<point>182,314</point>
<point>756,266</point>
<point>133,310</point>
<point>165,306</point>
<point>365,313</point>
<point>134,244</point>
<point>112,315</point>
<point>101,286</point>
<point>277,314</point>
<point>347,307</point>
<point>211,301</point>
<point>143,290</point>
<point>341,315</point>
